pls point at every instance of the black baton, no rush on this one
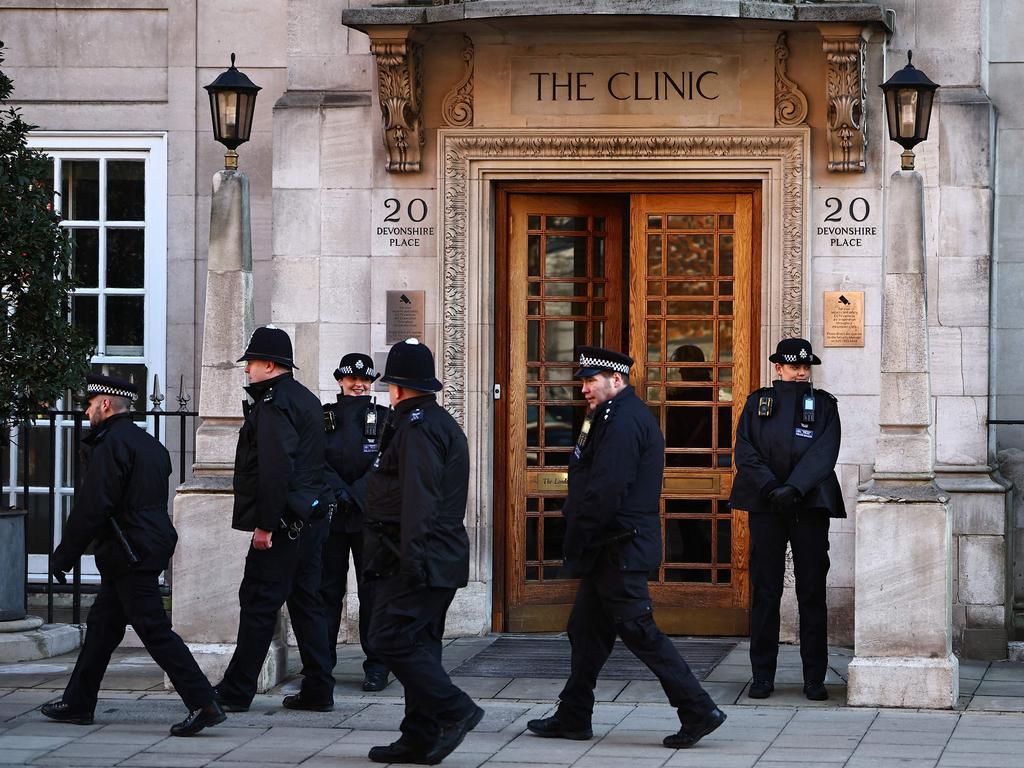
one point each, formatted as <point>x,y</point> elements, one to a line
<point>122,539</point>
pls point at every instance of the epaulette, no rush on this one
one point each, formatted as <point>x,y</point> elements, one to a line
<point>415,415</point>
<point>608,412</point>
<point>828,394</point>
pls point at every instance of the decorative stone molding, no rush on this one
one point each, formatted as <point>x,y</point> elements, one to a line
<point>400,88</point>
<point>457,107</point>
<point>643,151</point>
<point>846,139</point>
<point>790,102</point>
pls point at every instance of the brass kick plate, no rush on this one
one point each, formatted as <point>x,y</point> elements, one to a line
<point>709,484</point>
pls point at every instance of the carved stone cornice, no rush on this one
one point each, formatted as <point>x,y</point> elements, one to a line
<point>457,107</point>
<point>400,89</point>
<point>847,142</point>
<point>790,102</point>
<point>460,150</point>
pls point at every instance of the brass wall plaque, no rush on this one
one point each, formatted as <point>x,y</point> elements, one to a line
<point>844,318</point>
<point>547,482</point>
<point>710,484</point>
<point>405,316</point>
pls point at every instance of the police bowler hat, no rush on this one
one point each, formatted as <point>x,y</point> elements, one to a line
<point>411,364</point>
<point>356,364</point>
<point>794,352</point>
<point>269,342</point>
<point>96,384</point>
<point>594,360</point>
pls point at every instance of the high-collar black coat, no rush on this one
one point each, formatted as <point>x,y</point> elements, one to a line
<point>124,476</point>
<point>615,487</point>
<point>351,451</point>
<point>279,460</point>
<point>773,450</point>
<point>419,486</point>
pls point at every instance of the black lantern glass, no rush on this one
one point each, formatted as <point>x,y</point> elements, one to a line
<point>232,104</point>
<point>908,108</point>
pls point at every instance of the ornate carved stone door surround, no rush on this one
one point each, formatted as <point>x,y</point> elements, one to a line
<point>472,161</point>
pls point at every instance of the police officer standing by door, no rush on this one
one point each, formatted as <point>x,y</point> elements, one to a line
<point>787,444</point>
<point>353,425</point>
<point>417,550</point>
<point>612,541</point>
<point>121,507</point>
<point>281,496</point>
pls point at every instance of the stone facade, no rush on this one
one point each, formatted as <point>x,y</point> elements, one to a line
<point>319,187</point>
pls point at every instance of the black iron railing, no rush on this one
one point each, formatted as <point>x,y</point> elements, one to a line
<point>21,442</point>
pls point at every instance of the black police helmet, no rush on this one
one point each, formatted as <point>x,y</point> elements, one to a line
<point>411,364</point>
<point>356,364</point>
<point>269,343</point>
<point>794,352</point>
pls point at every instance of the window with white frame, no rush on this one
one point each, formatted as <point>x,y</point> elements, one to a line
<point>111,191</point>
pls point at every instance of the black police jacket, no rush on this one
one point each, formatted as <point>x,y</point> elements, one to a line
<point>614,488</point>
<point>124,476</point>
<point>279,460</point>
<point>780,449</point>
<point>352,447</point>
<point>416,498</point>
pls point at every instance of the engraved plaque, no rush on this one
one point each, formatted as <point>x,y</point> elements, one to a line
<point>547,482</point>
<point>405,316</point>
<point>709,484</point>
<point>844,318</point>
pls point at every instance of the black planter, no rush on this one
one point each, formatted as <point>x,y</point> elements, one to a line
<point>12,564</point>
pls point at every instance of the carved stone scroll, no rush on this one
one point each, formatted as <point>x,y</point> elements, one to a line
<point>790,102</point>
<point>460,149</point>
<point>847,142</point>
<point>400,88</point>
<point>457,107</point>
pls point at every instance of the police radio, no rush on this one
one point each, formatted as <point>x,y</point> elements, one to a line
<point>808,415</point>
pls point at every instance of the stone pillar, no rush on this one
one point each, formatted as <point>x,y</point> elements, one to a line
<point>903,651</point>
<point>210,555</point>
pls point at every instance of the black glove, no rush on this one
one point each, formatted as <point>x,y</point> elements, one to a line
<point>413,575</point>
<point>58,574</point>
<point>784,498</point>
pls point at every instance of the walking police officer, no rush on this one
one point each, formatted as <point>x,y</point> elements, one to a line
<point>353,425</point>
<point>612,541</point>
<point>417,550</point>
<point>787,444</point>
<point>121,507</point>
<point>281,496</point>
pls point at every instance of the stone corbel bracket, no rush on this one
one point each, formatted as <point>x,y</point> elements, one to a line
<point>847,142</point>
<point>790,102</point>
<point>457,107</point>
<point>400,89</point>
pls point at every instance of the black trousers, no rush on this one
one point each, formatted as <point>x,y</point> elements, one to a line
<point>406,632</point>
<point>808,536</point>
<point>287,572</point>
<point>333,586</point>
<point>611,602</point>
<point>133,599</point>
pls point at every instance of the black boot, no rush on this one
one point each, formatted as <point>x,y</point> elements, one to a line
<point>375,681</point>
<point>228,706</point>
<point>298,701</point>
<point>554,728</point>
<point>690,734</point>
<point>761,689</point>
<point>198,719</point>
<point>816,691</point>
<point>64,713</point>
<point>397,752</point>
<point>452,736</point>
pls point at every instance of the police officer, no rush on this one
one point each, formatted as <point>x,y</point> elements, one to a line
<point>281,496</point>
<point>612,541</point>
<point>417,550</point>
<point>787,444</point>
<point>121,507</point>
<point>353,425</point>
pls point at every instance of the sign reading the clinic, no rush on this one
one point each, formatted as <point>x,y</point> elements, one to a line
<point>844,318</point>
<point>693,85</point>
<point>405,316</point>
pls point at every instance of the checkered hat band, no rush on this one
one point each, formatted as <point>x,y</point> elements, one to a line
<point>102,389</point>
<point>597,362</point>
<point>348,370</point>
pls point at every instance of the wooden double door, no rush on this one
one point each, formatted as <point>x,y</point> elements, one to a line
<point>671,275</point>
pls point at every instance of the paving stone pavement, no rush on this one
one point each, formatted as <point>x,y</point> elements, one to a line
<point>630,720</point>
